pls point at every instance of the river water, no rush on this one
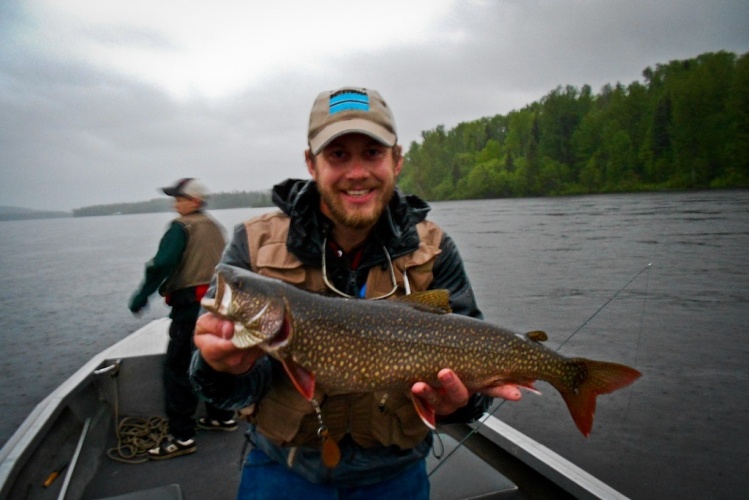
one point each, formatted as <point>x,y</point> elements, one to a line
<point>574,265</point>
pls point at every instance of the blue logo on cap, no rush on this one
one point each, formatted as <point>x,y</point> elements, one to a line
<point>349,100</point>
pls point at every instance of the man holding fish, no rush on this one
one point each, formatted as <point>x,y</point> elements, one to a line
<point>350,233</point>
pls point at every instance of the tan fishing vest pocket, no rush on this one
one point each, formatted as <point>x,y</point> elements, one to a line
<point>274,261</point>
<point>279,416</point>
<point>413,272</point>
<point>394,422</point>
<point>420,265</point>
<point>420,274</point>
<point>417,267</point>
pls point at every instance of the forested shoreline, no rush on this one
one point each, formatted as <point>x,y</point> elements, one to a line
<point>218,201</point>
<point>685,127</point>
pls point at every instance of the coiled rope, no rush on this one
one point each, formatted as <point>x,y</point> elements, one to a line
<point>135,435</point>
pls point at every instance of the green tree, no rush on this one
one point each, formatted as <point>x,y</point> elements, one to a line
<point>736,168</point>
<point>685,125</point>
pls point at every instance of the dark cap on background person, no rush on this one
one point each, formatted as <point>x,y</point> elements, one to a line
<point>188,187</point>
<point>350,110</point>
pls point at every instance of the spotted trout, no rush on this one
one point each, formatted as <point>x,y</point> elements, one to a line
<point>353,345</point>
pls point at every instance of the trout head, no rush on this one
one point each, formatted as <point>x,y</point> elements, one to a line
<point>255,304</point>
<point>262,318</point>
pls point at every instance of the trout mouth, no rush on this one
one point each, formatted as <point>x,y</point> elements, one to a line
<point>269,328</point>
<point>225,304</point>
<point>282,337</point>
<point>268,334</point>
<point>221,303</point>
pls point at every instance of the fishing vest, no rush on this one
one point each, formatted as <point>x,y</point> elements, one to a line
<point>374,418</point>
<point>205,243</point>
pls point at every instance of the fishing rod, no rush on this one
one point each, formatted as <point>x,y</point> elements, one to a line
<point>481,421</point>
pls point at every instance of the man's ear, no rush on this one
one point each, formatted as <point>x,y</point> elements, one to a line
<point>398,161</point>
<point>309,159</point>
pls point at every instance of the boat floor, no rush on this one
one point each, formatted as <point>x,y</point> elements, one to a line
<point>214,472</point>
<point>211,472</point>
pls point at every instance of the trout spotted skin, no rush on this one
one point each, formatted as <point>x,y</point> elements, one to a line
<point>350,345</point>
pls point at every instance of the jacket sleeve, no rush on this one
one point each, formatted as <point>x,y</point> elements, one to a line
<point>450,274</point>
<point>223,390</point>
<point>161,266</point>
<point>237,252</point>
<point>226,391</point>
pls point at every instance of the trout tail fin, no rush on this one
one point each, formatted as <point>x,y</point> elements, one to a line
<point>595,377</point>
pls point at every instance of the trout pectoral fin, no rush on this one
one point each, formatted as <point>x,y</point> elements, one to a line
<point>527,384</point>
<point>425,411</point>
<point>303,380</point>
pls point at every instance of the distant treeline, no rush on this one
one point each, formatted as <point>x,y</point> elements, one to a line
<point>32,214</point>
<point>218,201</point>
<point>686,126</point>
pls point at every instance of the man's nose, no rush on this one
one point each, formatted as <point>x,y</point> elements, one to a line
<point>358,168</point>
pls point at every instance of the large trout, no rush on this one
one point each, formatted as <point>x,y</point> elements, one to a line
<point>350,345</point>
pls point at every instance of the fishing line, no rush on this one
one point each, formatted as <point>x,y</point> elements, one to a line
<point>639,338</point>
<point>605,304</point>
<point>481,421</point>
<point>642,317</point>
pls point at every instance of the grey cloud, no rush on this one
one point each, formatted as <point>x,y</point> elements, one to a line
<point>72,135</point>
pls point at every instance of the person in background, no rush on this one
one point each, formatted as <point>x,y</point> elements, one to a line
<point>181,271</point>
<point>350,232</point>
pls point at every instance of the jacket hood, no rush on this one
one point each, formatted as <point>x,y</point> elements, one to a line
<point>396,228</point>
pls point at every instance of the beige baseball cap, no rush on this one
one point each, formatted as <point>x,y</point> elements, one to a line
<point>189,187</point>
<point>347,110</point>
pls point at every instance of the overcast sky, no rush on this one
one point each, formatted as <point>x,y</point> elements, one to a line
<point>105,101</point>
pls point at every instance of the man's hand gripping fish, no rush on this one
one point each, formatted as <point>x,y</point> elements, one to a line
<point>349,345</point>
